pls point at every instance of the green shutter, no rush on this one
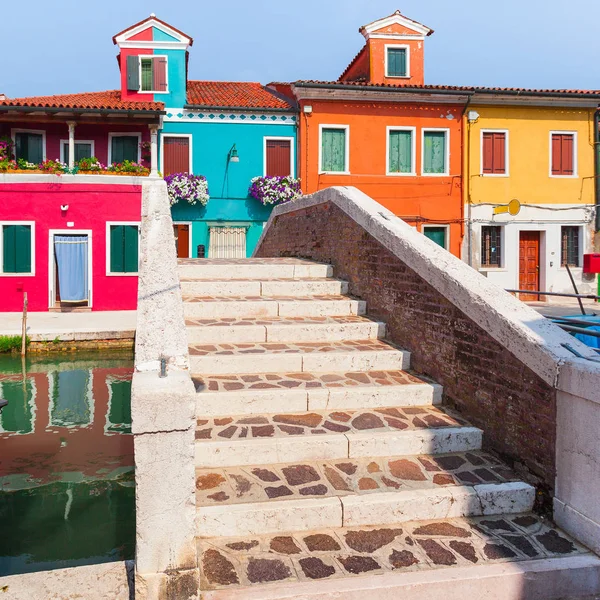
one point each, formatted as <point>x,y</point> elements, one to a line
<point>133,74</point>
<point>16,249</point>
<point>436,234</point>
<point>400,152</point>
<point>333,150</point>
<point>29,147</point>
<point>82,150</point>
<point>124,252</point>
<point>147,79</point>
<point>434,152</point>
<point>124,147</point>
<point>396,62</point>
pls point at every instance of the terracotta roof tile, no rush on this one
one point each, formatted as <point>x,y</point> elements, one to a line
<point>358,55</point>
<point>234,94</point>
<point>109,100</point>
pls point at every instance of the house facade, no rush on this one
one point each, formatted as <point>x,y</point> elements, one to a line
<point>536,150</point>
<point>229,132</point>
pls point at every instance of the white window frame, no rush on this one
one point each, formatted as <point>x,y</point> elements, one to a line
<point>190,225</point>
<point>112,135</point>
<point>52,263</point>
<point>13,135</point>
<point>32,225</point>
<point>502,266</point>
<point>506,153</point>
<point>110,273</point>
<point>446,172</point>
<point>62,147</point>
<point>280,139</point>
<point>162,149</point>
<point>413,158</point>
<point>406,47</point>
<point>439,226</point>
<point>346,128</point>
<point>581,248</point>
<point>575,153</point>
<point>153,57</point>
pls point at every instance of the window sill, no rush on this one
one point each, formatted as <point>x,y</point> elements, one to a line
<point>401,174</point>
<point>435,174</point>
<point>17,274</point>
<point>122,274</point>
<point>334,173</point>
<point>397,76</point>
<point>495,175</point>
<point>564,176</point>
<point>493,270</point>
<point>152,92</point>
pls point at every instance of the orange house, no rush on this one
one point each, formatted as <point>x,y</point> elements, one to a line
<point>381,129</point>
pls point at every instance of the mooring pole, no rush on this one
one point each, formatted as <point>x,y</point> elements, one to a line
<point>24,327</point>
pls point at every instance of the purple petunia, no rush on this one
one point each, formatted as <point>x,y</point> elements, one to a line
<point>275,190</point>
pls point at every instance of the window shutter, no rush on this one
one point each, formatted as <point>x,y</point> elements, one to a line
<point>556,154</point>
<point>124,147</point>
<point>116,150</point>
<point>488,153</point>
<point>133,73</point>
<point>130,248</point>
<point>435,152</point>
<point>333,150</point>
<point>16,249</point>
<point>278,158</point>
<point>117,243</point>
<point>147,75</point>
<point>499,153</point>
<point>159,74</point>
<point>396,62</point>
<point>400,152</point>
<point>35,150</point>
<point>567,155</point>
<point>176,156</point>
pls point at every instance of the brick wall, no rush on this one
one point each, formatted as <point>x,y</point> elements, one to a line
<point>487,383</point>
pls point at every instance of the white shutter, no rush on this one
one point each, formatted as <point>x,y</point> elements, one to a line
<point>227,242</point>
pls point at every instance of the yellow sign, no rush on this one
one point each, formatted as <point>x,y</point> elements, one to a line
<point>513,208</point>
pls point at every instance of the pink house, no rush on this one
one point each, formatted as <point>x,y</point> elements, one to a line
<point>71,241</point>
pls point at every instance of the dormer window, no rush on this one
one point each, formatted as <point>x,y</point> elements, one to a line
<point>397,61</point>
<point>147,74</point>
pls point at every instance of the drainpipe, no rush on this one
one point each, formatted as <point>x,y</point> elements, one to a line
<point>597,174</point>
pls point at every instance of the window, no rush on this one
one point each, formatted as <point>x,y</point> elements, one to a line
<point>491,246</point>
<point>396,61</point>
<point>401,151</point>
<point>123,248</point>
<point>30,146</point>
<point>82,150</point>
<point>176,153</point>
<point>278,157</point>
<point>494,152</point>
<point>435,152</point>
<point>569,254</point>
<point>437,234</point>
<point>124,147</point>
<point>147,74</point>
<point>334,149</point>
<point>17,248</point>
<point>562,154</point>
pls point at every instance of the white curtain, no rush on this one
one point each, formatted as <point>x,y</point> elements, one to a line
<point>227,242</point>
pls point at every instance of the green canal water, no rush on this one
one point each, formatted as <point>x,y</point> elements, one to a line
<point>67,495</point>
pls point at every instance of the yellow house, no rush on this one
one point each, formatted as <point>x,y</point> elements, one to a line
<point>536,148</point>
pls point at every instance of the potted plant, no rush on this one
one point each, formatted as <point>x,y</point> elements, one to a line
<point>193,189</point>
<point>270,191</point>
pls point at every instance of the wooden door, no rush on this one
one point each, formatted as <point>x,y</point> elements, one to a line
<point>529,264</point>
<point>182,240</point>
<point>176,155</point>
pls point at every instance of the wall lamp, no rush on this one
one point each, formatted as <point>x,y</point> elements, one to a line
<point>233,155</point>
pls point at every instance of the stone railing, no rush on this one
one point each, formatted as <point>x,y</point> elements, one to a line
<point>504,366</point>
<point>163,413</point>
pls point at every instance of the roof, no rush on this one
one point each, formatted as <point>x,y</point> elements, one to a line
<point>399,18</point>
<point>359,54</point>
<point>450,88</point>
<point>150,19</point>
<point>109,100</point>
<point>234,94</point>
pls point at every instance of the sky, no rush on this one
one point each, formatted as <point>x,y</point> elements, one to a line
<point>66,46</point>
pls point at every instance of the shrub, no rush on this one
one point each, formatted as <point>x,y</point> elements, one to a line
<point>8,343</point>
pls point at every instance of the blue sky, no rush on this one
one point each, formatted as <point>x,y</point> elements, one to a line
<point>525,43</point>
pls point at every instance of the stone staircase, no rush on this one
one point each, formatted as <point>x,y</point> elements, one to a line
<point>325,468</point>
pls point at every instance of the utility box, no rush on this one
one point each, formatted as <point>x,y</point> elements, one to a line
<point>591,263</point>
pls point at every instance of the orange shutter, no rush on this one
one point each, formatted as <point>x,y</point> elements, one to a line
<point>176,157</point>
<point>278,158</point>
<point>488,153</point>
<point>499,153</point>
<point>556,154</point>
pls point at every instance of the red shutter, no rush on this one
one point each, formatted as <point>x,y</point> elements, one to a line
<point>279,154</point>
<point>499,153</point>
<point>567,155</point>
<point>556,154</point>
<point>176,157</point>
<point>488,152</point>
<point>159,74</point>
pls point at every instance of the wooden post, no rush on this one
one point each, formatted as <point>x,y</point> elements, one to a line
<point>24,327</point>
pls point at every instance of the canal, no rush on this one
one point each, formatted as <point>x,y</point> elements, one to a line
<point>67,495</point>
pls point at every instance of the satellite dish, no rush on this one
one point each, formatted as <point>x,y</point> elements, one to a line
<point>514,207</point>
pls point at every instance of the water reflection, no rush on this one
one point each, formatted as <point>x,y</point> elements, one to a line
<point>66,462</point>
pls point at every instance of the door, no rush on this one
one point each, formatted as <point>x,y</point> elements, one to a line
<point>182,240</point>
<point>227,242</point>
<point>529,264</point>
<point>436,234</point>
<point>176,155</point>
<point>71,268</point>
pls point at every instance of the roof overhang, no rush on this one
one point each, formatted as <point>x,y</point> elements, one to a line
<point>181,41</point>
<point>42,113</point>
<point>371,30</point>
<point>564,99</point>
<point>239,108</point>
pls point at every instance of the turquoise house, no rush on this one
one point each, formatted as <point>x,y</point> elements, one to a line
<point>229,132</point>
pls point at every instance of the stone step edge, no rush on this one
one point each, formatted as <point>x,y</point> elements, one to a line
<point>548,579</point>
<point>321,399</point>
<point>222,453</point>
<point>377,508</point>
<point>188,279</point>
